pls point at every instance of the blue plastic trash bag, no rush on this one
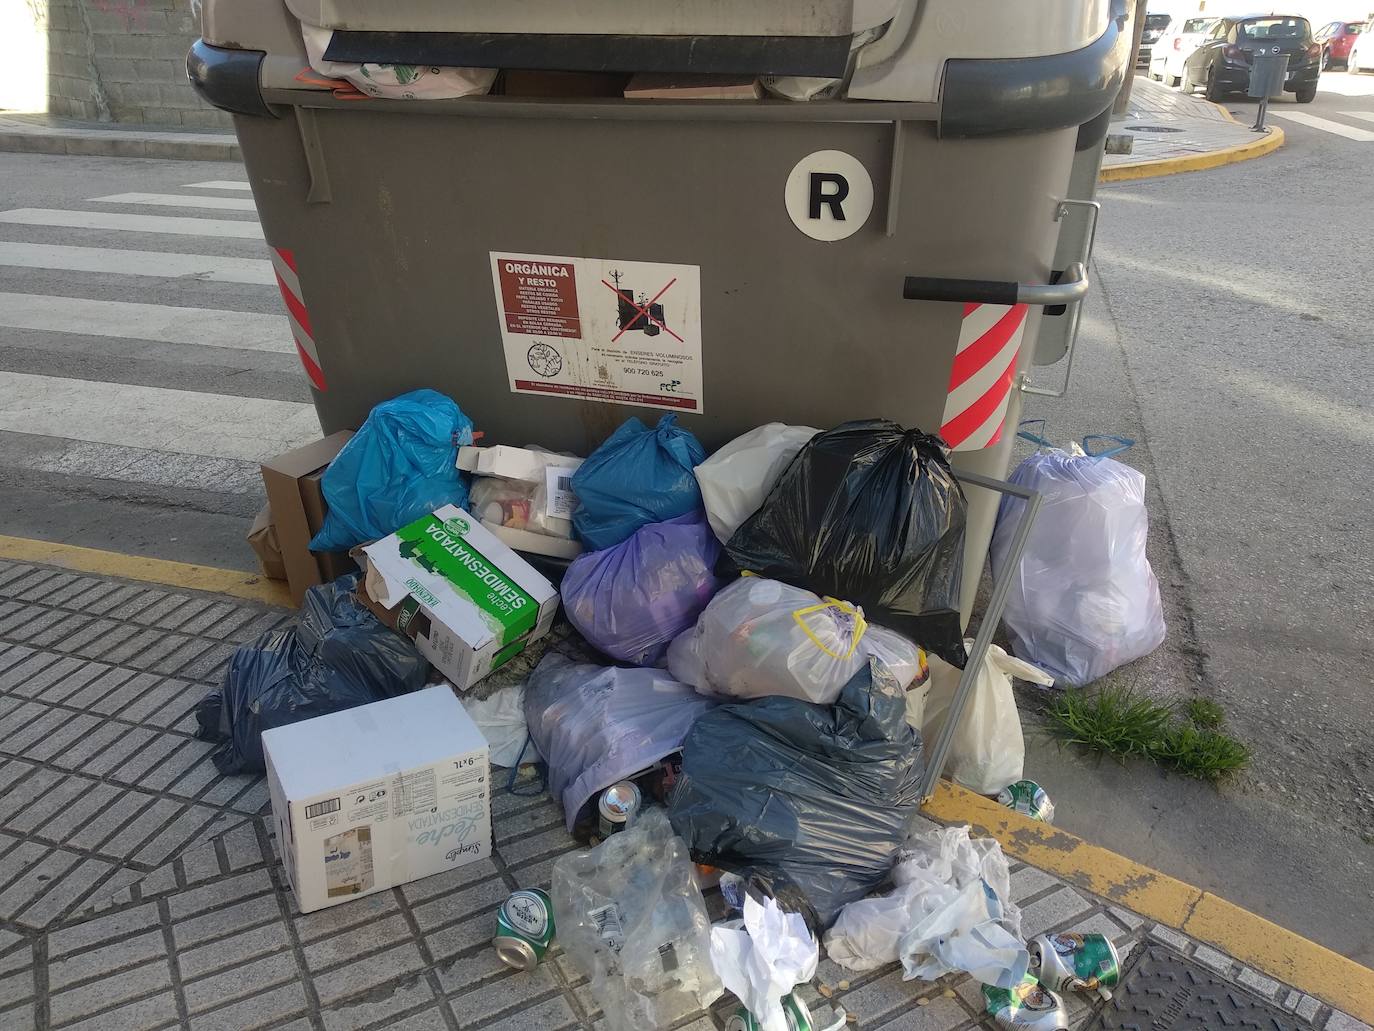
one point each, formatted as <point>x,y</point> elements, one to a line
<point>398,467</point>
<point>1084,599</point>
<point>637,476</point>
<point>631,600</point>
<point>338,655</point>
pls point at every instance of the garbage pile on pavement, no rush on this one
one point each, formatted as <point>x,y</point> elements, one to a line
<point>782,638</point>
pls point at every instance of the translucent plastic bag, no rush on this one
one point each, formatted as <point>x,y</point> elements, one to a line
<point>595,725</point>
<point>632,919</point>
<point>818,797</point>
<point>501,719</point>
<point>637,476</point>
<point>396,469</point>
<point>951,911</point>
<point>632,599</point>
<point>871,513</point>
<point>396,81</point>
<point>337,656</point>
<point>762,637</point>
<point>735,480</point>
<point>1084,599</point>
<point>988,751</point>
<point>516,504</point>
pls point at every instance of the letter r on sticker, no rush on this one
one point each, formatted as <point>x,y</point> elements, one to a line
<point>828,189</point>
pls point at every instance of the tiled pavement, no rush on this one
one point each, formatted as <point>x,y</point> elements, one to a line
<point>1168,123</point>
<point>139,890</point>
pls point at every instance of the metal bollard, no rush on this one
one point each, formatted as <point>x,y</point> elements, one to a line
<point>1267,72</point>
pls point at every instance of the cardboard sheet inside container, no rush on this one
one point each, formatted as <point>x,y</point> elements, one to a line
<point>468,601</point>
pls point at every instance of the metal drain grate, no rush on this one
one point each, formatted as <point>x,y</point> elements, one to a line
<point>1165,992</point>
<point>1153,128</point>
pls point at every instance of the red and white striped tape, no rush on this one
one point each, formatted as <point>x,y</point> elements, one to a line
<point>980,383</point>
<point>284,264</point>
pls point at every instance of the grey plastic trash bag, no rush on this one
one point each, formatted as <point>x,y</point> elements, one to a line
<point>632,919</point>
<point>819,796</point>
<point>338,655</point>
<point>595,725</point>
<point>1084,599</point>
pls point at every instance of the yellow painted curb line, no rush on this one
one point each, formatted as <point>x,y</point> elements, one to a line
<point>1194,162</point>
<point>249,586</point>
<point>1264,945</point>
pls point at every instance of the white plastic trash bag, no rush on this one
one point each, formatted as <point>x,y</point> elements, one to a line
<point>396,81</point>
<point>501,719</point>
<point>988,751</point>
<point>762,637</point>
<point>763,957</point>
<point>735,480</point>
<point>951,911</point>
<point>1084,599</point>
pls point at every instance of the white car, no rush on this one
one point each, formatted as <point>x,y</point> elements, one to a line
<point>1361,57</point>
<point>1180,39</point>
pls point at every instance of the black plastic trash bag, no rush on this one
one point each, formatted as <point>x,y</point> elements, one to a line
<point>818,797</point>
<point>868,512</point>
<point>338,655</point>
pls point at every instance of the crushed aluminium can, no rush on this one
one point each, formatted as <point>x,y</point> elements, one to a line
<point>616,805</point>
<point>524,928</point>
<point>1029,799</point>
<point>796,1011</point>
<point>1075,962</point>
<point>1027,1007</point>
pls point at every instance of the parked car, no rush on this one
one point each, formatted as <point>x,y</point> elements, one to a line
<point>1336,39</point>
<point>1221,65</point>
<point>1361,55</point>
<point>1180,39</point>
<point>1155,24</point>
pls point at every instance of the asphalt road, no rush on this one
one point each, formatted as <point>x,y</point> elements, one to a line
<point>1226,332</point>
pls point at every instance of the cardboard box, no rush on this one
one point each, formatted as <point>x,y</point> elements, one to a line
<point>292,481</point>
<point>650,86</point>
<point>516,82</point>
<point>378,795</point>
<point>514,463</point>
<point>468,601</point>
<point>262,538</point>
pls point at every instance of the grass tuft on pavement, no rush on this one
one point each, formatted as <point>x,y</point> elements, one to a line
<point>1117,721</point>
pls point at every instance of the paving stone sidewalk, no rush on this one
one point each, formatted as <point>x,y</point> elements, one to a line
<point>140,890</point>
<point>1167,123</point>
<point>48,134</point>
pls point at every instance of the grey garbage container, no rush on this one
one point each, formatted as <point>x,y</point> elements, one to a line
<point>1267,73</point>
<point>557,264</point>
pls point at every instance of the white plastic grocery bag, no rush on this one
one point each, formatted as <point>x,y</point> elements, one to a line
<point>988,751</point>
<point>735,480</point>
<point>763,957</point>
<point>396,81</point>
<point>1083,599</point>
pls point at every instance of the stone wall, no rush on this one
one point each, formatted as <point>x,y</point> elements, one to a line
<point>123,61</point>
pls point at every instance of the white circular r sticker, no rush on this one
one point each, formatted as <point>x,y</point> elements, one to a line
<point>829,195</point>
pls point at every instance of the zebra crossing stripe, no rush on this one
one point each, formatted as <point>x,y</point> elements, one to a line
<point>176,200</point>
<point>120,222</point>
<point>208,268</point>
<point>284,265</point>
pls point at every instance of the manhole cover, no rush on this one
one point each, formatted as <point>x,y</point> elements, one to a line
<point>1165,992</point>
<point>1152,128</point>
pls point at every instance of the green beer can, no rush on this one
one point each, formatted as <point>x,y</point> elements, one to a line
<point>524,928</point>
<point>796,1011</point>
<point>1029,799</point>
<point>1027,1007</point>
<point>1075,962</point>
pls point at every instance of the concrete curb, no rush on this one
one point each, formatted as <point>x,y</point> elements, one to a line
<point>1195,162</point>
<point>1274,950</point>
<point>119,143</point>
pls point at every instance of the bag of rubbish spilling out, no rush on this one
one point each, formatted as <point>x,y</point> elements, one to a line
<point>1083,598</point>
<point>595,725</point>
<point>950,911</point>
<point>630,600</point>
<point>762,637</point>
<point>632,919</point>
<point>399,467</point>
<point>337,656</point>
<point>868,512</point>
<point>818,797</point>
<point>735,480</point>
<point>637,476</point>
<point>988,751</point>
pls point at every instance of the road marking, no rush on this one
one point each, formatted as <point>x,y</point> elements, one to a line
<point>170,224</point>
<point>113,261</point>
<point>219,184</point>
<point>1368,116</point>
<point>172,200</point>
<point>173,325</point>
<point>1326,125</point>
<point>186,422</point>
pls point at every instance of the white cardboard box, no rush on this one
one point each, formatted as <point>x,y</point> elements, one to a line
<point>378,795</point>
<point>468,601</point>
<point>513,463</point>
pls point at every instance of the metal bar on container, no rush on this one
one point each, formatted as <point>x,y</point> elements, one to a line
<point>936,758</point>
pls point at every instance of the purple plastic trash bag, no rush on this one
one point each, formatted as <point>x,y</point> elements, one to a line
<point>595,725</point>
<point>631,600</point>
